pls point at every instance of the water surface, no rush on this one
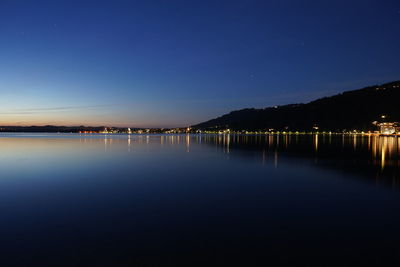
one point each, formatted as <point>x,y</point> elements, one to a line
<point>204,200</point>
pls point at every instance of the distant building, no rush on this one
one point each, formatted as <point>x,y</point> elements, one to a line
<point>389,128</point>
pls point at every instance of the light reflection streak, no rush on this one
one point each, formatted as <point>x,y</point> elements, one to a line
<point>354,141</point>
<point>383,153</point>
<point>316,142</point>
<point>385,150</point>
<point>187,143</point>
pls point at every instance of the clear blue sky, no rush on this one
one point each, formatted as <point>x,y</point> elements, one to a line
<point>176,63</point>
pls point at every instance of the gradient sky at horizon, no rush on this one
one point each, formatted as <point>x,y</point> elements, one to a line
<point>177,63</point>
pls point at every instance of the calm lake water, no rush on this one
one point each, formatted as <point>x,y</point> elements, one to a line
<point>199,200</point>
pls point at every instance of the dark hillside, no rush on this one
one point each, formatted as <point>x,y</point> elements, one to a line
<point>355,109</point>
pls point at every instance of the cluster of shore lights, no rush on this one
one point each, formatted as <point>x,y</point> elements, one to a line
<point>353,132</point>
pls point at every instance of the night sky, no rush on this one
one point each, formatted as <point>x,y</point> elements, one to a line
<point>177,63</point>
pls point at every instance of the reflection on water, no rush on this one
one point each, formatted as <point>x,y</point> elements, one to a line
<point>369,155</point>
<point>386,151</point>
<point>372,155</point>
<point>382,151</point>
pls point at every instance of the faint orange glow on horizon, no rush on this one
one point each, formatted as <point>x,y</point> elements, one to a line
<point>90,122</point>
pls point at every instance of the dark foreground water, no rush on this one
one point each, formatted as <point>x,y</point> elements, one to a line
<point>199,200</point>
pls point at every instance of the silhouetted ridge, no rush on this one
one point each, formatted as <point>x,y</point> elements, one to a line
<point>355,109</point>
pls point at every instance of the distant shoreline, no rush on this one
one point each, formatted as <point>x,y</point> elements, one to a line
<point>352,133</point>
